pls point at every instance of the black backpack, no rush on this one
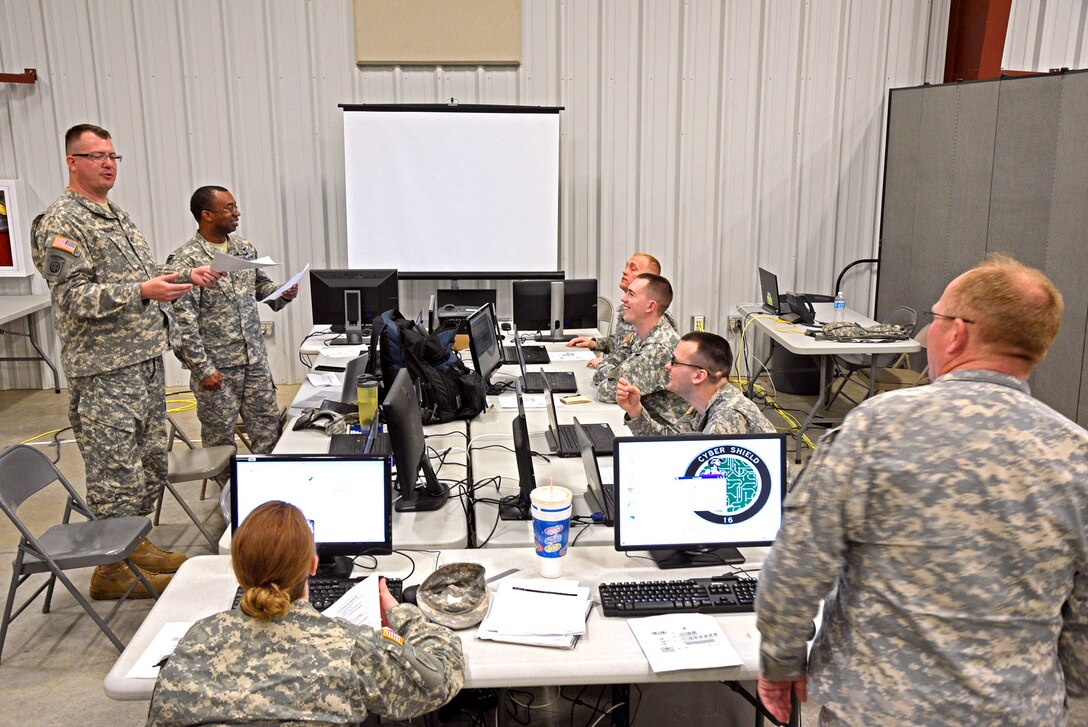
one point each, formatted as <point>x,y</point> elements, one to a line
<point>447,389</point>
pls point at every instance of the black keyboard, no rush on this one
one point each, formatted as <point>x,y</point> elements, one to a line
<point>355,443</point>
<point>721,594</point>
<point>326,591</point>
<point>561,382</point>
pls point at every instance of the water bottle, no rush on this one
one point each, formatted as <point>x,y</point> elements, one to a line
<point>840,307</point>
<point>366,389</point>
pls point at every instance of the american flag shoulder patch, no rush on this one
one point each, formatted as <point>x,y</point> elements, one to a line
<point>388,633</point>
<point>63,243</point>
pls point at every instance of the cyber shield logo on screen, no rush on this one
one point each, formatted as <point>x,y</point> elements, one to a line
<point>745,482</point>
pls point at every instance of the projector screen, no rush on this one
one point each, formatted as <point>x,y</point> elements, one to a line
<point>438,189</point>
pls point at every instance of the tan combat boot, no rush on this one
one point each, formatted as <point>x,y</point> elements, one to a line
<point>109,582</point>
<point>150,557</point>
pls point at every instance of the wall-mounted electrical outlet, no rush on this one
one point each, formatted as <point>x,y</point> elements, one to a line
<point>268,328</point>
<point>734,324</point>
<point>698,323</point>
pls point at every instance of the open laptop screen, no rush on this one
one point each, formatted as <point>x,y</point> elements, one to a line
<point>768,291</point>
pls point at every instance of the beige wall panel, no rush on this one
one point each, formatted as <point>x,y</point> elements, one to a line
<point>437,32</point>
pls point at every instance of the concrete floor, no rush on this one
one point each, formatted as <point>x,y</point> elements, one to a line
<point>54,664</point>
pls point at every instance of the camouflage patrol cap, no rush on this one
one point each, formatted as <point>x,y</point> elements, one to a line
<point>454,596</point>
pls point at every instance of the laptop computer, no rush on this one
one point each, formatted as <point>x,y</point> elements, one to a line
<point>768,291</point>
<point>532,382</point>
<point>561,437</point>
<point>600,496</point>
<point>355,368</point>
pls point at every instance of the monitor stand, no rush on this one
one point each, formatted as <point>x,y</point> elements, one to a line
<point>514,508</point>
<point>696,557</point>
<point>422,501</point>
<point>335,566</point>
<point>555,337</point>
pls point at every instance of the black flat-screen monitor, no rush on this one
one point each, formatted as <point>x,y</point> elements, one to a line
<point>516,507</point>
<point>483,343</point>
<point>346,498</point>
<point>692,500</point>
<point>343,299</point>
<point>401,413</point>
<point>533,304</point>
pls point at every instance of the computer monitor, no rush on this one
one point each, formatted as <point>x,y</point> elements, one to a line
<point>542,305</point>
<point>580,303</point>
<point>516,507</point>
<point>768,291</point>
<point>692,500</point>
<point>401,413</point>
<point>483,343</point>
<point>345,498</point>
<point>346,300</point>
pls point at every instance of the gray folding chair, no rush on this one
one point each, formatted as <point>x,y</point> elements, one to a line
<point>24,471</point>
<point>190,464</point>
<point>604,315</point>
<point>846,365</point>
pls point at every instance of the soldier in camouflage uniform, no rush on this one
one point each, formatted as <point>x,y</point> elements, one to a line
<point>108,299</point>
<point>623,333</point>
<point>945,526</point>
<point>642,364</point>
<point>220,339</point>
<point>699,372</point>
<point>277,659</point>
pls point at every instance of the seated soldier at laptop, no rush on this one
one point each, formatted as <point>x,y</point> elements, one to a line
<point>698,371</point>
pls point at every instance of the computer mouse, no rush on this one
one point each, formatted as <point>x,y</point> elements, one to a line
<point>408,595</point>
<point>448,306</point>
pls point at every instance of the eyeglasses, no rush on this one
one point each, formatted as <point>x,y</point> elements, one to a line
<point>674,362</point>
<point>230,208</point>
<point>99,157</point>
<point>930,315</point>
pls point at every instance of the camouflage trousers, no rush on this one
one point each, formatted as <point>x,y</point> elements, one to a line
<point>248,391</point>
<point>119,419</point>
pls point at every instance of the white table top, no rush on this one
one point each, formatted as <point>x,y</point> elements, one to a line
<point>792,336</point>
<point>13,307</point>
<point>495,428</point>
<point>607,654</point>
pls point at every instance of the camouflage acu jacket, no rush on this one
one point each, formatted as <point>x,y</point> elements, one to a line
<point>729,412</point>
<point>307,667</point>
<point>220,326</point>
<point>94,261</point>
<point>644,366</point>
<point>945,525</point>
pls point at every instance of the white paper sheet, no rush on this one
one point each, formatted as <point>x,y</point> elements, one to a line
<point>224,263</point>
<point>323,378</point>
<point>572,354</point>
<point>530,401</point>
<point>294,279</point>
<point>538,607</point>
<point>340,351</point>
<point>683,641</point>
<point>162,645</point>
<point>360,605</point>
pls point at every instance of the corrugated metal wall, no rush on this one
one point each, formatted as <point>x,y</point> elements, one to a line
<point>717,135</point>
<point>1045,34</point>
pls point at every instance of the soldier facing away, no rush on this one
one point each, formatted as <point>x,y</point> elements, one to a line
<point>945,525</point>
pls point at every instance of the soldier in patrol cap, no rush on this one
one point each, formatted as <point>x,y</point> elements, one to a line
<point>642,363</point>
<point>699,372</point>
<point>220,339</point>
<point>945,526</point>
<point>110,307</point>
<point>623,333</point>
<point>277,659</point>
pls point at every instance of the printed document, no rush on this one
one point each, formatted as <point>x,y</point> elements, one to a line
<point>359,605</point>
<point>224,263</point>
<point>683,641</point>
<point>294,279</point>
<point>147,666</point>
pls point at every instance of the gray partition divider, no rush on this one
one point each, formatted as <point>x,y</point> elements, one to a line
<point>992,166</point>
